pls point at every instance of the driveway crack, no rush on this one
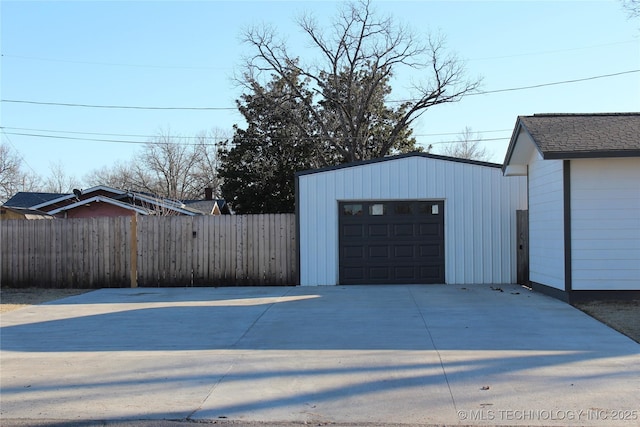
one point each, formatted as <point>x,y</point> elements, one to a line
<point>444,372</point>
<point>234,362</point>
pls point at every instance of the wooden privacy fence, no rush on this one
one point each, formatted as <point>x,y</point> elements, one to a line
<point>149,251</point>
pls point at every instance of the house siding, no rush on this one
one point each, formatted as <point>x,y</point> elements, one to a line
<point>605,224</point>
<point>480,214</point>
<point>546,222</point>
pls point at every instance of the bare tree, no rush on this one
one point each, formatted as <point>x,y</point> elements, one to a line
<point>12,178</point>
<point>58,181</point>
<point>468,147</point>
<point>168,166</point>
<point>358,55</point>
<point>169,160</point>
<point>632,7</point>
<point>121,175</point>
<point>205,172</point>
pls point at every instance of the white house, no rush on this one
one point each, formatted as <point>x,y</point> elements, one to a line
<point>583,181</point>
<point>413,218</point>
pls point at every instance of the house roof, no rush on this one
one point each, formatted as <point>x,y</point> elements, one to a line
<point>571,136</point>
<point>64,197</point>
<point>396,157</point>
<point>208,206</point>
<point>25,199</point>
<point>142,203</point>
<point>103,199</point>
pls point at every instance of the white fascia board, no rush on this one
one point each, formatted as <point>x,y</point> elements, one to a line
<point>101,199</point>
<point>51,202</point>
<point>71,196</point>
<point>161,203</point>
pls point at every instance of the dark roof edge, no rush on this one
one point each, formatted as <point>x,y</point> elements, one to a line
<point>593,154</point>
<point>514,138</point>
<point>622,113</point>
<point>396,157</point>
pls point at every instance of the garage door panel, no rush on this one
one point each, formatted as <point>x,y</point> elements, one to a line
<point>403,251</point>
<point>379,251</point>
<point>402,230</point>
<point>389,242</point>
<point>431,272</point>
<point>430,251</point>
<point>404,272</point>
<point>379,273</point>
<point>353,274</point>
<point>429,229</point>
<point>354,252</point>
<point>378,230</point>
<point>353,230</point>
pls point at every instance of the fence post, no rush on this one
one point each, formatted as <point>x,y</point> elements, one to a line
<point>133,253</point>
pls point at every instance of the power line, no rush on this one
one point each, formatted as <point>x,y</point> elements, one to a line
<point>22,159</point>
<point>545,52</point>
<point>60,104</point>
<point>554,83</point>
<point>199,137</point>
<point>120,141</point>
<point>131,107</point>
<point>113,64</point>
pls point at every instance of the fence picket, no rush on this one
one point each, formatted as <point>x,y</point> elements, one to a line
<point>96,252</point>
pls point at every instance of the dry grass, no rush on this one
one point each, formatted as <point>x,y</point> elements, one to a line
<point>623,316</point>
<point>13,299</point>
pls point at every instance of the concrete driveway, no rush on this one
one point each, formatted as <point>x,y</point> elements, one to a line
<point>473,355</point>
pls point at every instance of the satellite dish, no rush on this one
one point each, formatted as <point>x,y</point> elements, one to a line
<point>77,193</point>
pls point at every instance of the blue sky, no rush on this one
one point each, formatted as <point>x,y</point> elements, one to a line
<point>184,54</point>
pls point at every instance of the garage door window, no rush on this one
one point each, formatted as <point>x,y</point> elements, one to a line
<point>352,210</point>
<point>377,209</point>
<point>403,208</point>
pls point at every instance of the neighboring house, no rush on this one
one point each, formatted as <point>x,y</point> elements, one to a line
<point>583,179</point>
<point>209,205</point>
<point>26,199</point>
<point>413,218</point>
<point>21,213</point>
<point>103,201</point>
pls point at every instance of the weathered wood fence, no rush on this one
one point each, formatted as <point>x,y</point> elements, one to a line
<point>224,250</point>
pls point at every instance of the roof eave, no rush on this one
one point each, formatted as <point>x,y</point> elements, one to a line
<point>593,154</point>
<point>397,157</point>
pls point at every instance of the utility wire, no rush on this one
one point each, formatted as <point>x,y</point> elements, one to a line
<point>115,64</point>
<point>60,104</point>
<point>120,141</point>
<point>131,107</point>
<point>554,83</point>
<point>199,137</point>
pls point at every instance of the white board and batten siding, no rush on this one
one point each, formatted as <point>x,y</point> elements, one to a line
<point>605,223</point>
<point>546,222</point>
<point>480,213</point>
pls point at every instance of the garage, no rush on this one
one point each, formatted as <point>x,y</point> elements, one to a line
<point>386,241</point>
<point>414,218</point>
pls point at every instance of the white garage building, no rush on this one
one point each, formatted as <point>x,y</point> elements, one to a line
<point>413,218</point>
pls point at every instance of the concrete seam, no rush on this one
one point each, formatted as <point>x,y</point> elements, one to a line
<point>232,364</point>
<point>444,372</point>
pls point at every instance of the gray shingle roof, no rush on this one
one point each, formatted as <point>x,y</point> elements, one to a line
<point>560,136</point>
<point>25,199</point>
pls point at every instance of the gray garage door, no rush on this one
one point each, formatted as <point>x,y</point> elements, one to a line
<point>391,242</point>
